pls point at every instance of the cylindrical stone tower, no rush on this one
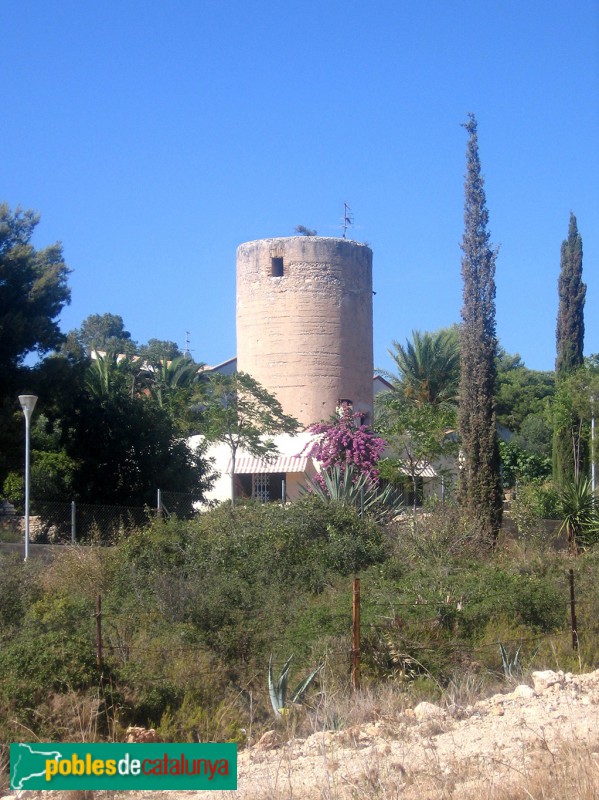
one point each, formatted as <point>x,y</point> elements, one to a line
<point>304,322</point>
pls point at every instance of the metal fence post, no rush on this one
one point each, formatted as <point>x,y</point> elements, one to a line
<point>355,644</point>
<point>574,624</point>
<point>159,502</point>
<point>99,631</point>
<point>73,522</point>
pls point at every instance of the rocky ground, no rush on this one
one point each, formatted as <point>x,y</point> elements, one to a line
<point>539,742</point>
<point>484,750</point>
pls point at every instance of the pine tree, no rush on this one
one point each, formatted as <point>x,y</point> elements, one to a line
<point>567,449</point>
<point>480,484</point>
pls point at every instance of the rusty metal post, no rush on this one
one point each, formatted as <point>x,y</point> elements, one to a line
<point>355,651</point>
<point>73,522</point>
<point>99,631</point>
<point>573,613</point>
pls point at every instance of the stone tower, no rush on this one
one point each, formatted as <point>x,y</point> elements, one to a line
<point>304,322</point>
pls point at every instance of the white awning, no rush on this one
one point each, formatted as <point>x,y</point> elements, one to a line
<point>247,465</point>
<point>426,471</point>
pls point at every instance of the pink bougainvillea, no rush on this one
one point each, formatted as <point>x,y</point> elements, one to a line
<point>347,442</point>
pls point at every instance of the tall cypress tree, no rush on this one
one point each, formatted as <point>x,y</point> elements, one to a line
<point>567,450</point>
<point>570,315</point>
<point>480,484</point>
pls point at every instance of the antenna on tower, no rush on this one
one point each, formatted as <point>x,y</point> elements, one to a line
<point>187,351</point>
<point>348,219</point>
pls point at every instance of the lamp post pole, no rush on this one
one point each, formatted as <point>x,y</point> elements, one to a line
<point>593,474</point>
<point>27,402</point>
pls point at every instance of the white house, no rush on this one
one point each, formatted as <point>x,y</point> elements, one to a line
<point>262,479</point>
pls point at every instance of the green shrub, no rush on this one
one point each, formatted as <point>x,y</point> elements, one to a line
<point>53,651</point>
<point>18,589</point>
<point>193,722</point>
<point>33,665</point>
<point>537,500</point>
<point>192,610</point>
<point>13,489</point>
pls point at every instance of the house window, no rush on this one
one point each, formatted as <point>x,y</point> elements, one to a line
<point>276,267</point>
<point>261,486</point>
<point>243,486</point>
<point>411,498</point>
<point>404,487</point>
<point>268,486</point>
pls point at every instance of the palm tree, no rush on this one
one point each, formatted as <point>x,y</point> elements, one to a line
<point>428,367</point>
<point>109,373</point>
<point>166,377</point>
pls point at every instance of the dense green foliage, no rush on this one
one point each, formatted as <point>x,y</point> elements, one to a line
<point>105,430</point>
<point>157,351</point>
<point>125,448</point>
<point>180,600</point>
<point>417,415</point>
<point>521,466</point>
<point>33,290</point>
<point>480,484</point>
<point>523,394</point>
<point>193,610</point>
<point>114,437</point>
<point>104,333</point>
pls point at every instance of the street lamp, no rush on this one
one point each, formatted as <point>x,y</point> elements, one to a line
<point>593,482</point>
<point>27,402</point>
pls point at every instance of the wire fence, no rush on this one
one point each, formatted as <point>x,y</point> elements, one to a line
<point>130,636</point>
<point>59,522</point>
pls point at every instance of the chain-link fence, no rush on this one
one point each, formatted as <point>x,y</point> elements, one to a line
<point>56,522</point>
<point>180,504</point>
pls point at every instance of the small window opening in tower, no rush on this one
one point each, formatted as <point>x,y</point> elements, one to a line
<point>276,266</point>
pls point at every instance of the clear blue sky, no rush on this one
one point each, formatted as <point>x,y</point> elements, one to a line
<point>154,137</point>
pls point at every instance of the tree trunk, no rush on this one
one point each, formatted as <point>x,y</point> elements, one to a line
<point>233,454</point>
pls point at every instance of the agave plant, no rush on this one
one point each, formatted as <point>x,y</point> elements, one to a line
<point>511,666</point>
<point>278,689</point>
<point>352,488</point>
<point>579,514</point>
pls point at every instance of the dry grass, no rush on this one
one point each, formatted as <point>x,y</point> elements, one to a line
<point>567,770</point>
<point>366,748</point>
<point>66,573</point>
<point>340,709</point>
<point>570,772</point>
